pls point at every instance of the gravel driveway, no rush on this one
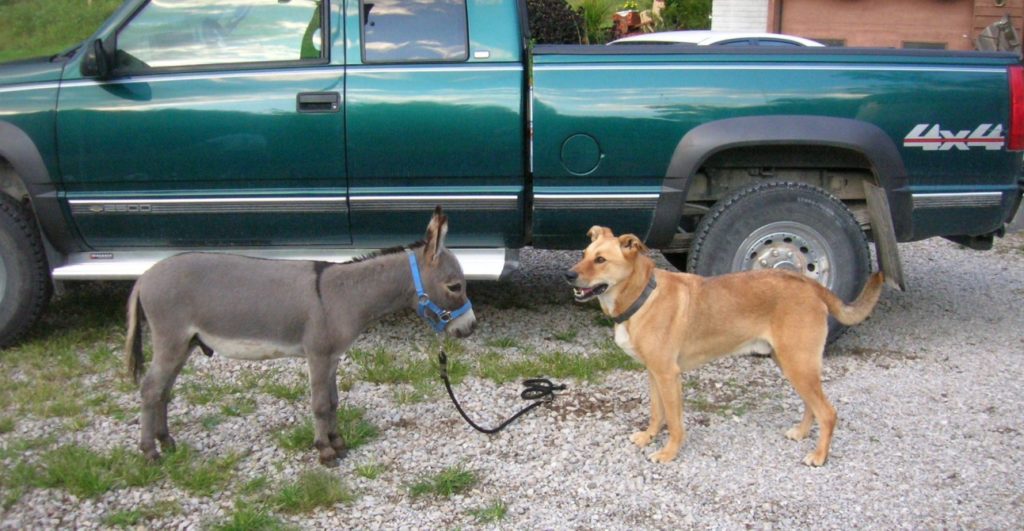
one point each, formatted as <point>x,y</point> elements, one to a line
<point>929,391</point>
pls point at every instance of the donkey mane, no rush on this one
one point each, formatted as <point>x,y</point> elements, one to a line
<point>385,252</point>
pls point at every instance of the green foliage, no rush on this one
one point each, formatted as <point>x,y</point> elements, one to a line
<point>554,22</point>
<point>201,477</point>
<point>312,490</point>
<point>36,28</point>
<point>370,470</point>
<point>135,517</point>
<point>490,514</point>
<point>250,517</point>
<point>352,428</point>
<point>686,14</point>
<point>449,481</point>
<point>597,18</point>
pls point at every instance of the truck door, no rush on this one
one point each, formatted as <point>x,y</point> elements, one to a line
<point>222,124</point>
<point>435,116</point>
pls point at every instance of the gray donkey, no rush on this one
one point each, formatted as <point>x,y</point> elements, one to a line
<point>256,309</point>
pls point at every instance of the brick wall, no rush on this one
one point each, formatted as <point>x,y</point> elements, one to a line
<point>879,23</point>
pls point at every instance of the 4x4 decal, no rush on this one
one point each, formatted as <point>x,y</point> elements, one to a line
<point>931,137</point>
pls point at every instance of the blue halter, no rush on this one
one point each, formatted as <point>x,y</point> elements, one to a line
<point>437,317</point>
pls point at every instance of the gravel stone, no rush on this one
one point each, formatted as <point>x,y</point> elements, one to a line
<point>929,393</point>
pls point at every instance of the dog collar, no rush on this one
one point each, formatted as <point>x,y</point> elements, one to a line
<point>437,317</point>
<point>638,303</point>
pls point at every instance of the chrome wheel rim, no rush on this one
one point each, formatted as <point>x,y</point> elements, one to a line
<point>787,245</point>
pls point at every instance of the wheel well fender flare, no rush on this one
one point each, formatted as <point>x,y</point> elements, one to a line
<point>20,151</point>
<point>705,140</point>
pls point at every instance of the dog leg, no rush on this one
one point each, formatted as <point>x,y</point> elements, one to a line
<point>800,431</point>
<point>671,393</point>
<point>804,373</point>
<point>643,438</point>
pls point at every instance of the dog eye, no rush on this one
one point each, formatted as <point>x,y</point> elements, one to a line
<point>599,260</point>
<point>455,288</point>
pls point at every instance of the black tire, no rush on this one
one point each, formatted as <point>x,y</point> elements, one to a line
<point>678,260</point>
<point>25,285</point>
<point>785,225</point>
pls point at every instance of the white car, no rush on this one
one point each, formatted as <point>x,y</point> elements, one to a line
<point>716,38</point>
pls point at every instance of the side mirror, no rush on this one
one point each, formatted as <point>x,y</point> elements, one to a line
<point>97,61</point>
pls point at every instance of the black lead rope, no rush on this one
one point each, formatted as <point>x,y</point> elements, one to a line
<point>539,389</point>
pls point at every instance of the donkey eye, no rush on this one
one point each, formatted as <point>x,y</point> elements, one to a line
<point>599,260</point>
<point>455,288</point>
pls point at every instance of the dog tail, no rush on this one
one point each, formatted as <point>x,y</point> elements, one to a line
<point>858,310</point>
<point>133,338</point>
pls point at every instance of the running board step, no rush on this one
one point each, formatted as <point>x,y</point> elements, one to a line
<point>477,264</point>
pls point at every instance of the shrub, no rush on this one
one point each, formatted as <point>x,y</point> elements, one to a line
<point>554,22</point>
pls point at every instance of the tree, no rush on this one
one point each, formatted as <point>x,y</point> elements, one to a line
<point>687,14</point>
<point>554,22</point>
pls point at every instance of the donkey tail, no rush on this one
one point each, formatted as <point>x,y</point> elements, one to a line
<point>133,339</point>
<point>858,310</point>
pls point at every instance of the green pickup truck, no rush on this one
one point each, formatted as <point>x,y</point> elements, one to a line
<point>319,129</point>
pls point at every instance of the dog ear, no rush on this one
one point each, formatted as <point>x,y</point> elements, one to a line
<point>630,244</point>
<point>436,232</point>
<point>598,231</point>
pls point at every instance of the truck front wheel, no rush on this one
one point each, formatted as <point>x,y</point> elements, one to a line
<point>785,225</point>
<point>25,286</point>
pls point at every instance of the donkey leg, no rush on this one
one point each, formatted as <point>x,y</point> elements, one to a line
<point>336,441</point>
<point>169,356</point>
<point>324,418</point>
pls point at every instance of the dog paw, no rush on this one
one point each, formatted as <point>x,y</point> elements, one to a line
<point>813,459</point>
<point>641,438</point>
<point>662,456</point>
<point>796,434</point>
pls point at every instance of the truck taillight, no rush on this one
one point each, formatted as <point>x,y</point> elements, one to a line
<point>1015,137</point>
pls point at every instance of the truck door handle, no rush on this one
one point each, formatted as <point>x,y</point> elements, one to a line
<point>318,102</point>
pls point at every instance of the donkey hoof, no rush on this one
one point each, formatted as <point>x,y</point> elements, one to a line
<point>167,444</point>
<point>339,447</point>
<point>328,457</point>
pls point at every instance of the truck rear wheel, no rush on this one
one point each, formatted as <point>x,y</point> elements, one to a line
<point>785,225</point>
<point>25,286</point>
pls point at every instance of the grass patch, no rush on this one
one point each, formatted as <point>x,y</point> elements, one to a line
<point>239,406</point>
<point>88,474</point>
<point>203,393</point>
<point>420,375</point>
<point>250,517</point>
<point>352,428</point>
<point>201,477</point>
<point>502,342</point>
<point>34,28</point>
<point>135,517</point>
<point>285,391</point>
<point>370,470</point>
<point>454,480</point>
<point>567,336</point>
<point>7,425</point>
<point>312,490</point>
<point>501,369</point>
<point>492,513</point>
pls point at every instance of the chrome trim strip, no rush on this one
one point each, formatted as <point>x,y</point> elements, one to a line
<point>594,201</point>
<point>209,205</point>
<point>855,68</point>
<point>957,200</point>
<point>339,71</point>
<point>368,203</point>
<point>477,264</point>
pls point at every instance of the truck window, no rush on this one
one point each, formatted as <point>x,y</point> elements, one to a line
<point>176,33</point>
<point>414,31</point>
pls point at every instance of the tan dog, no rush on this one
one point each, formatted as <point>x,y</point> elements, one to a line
<point>681,321</point>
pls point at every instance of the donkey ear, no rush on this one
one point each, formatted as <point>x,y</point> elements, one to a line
<point>598,231</point>
<point>436,232</point>
<point>630,244</point>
